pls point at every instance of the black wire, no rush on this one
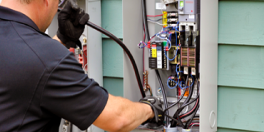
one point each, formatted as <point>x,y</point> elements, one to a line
<point>185,102</point>
<point>176,102</point>
<point>191,101</point>
<point>171,118</point>
<point>190,120</point>
<point>164,95</point>
<point>176,115</point>
<point>125,49</point>
<point>145,22</point>
<point>196,99</point>
<point>192,110</point>
<point>196,109</point>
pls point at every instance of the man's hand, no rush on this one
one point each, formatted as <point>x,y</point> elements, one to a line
<point>72,20</point>
<point>157,109</point>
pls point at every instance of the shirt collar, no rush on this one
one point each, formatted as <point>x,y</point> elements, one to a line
<point>12,15</point>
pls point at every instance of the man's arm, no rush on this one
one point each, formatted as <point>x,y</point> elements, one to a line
<point>56,38</point>
<point>122,115</point>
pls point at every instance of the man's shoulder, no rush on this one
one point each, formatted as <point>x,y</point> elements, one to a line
<point>48,50</point>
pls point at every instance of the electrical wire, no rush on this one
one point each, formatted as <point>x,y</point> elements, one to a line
<point>194,124</point>
<point>144,14</point>
<point>197,103</point>
<point>168,81</point>
<point>143,55</point>
<point>155,20</point>
<point>196,109</point>
<point>168,56</point>
<point>130,56</point>
<point>176,102</point>
<point>156,23</point>
<point>154,15</point>
<point>171,117</point>
<point>164,95</point>
<point>191,111</point>
<point>176,115</point>
<point>142,43</point>
<point>190,120</point>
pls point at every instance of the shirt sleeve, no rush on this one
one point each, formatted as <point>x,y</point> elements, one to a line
<point>71,95</point>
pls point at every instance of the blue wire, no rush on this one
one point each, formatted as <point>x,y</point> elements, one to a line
<point>168,57</point>
<point>169,85</point>
<point>188,86</point>
<point>144,45</point>
<point>176,35</point>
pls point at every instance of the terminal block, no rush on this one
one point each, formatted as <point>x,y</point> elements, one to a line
<point>172,18</point>
<point>158,59</point>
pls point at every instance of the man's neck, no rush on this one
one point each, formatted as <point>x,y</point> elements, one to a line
<point>27,9</point>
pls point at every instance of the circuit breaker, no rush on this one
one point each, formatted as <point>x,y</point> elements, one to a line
<point>179,59</point>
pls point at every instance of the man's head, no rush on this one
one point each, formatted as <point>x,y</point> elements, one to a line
<point>39,11</point>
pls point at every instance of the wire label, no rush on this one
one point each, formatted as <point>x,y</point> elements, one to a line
<point>191,16</point>
<point>160,6</point>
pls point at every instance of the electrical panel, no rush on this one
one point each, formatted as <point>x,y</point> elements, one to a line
<point>175,50</point>
<point>179,63</point>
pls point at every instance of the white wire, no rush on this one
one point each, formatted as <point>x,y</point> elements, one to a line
<point>194,124</point>
<point>84,67</point>
<point>156,23</point>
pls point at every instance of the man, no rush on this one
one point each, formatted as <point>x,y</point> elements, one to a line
<point>41,82</point>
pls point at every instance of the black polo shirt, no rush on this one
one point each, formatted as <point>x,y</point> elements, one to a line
<point>40,80</point>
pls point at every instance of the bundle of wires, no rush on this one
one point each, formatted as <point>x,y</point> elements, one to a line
<point>191,113</point>
<point>146,30</point>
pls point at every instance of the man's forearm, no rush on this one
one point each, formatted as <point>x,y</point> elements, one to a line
<point>137,113</point>
<point>123,115</point>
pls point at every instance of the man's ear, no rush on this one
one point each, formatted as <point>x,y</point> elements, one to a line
<point>46,2</point>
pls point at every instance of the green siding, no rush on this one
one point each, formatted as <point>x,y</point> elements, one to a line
<point>112,59</point>
<point>114,85</point>
<point>112,53</point>
<point>241,22</point>
<point>241,108</point>
<point>231,130</point>
<point>240,66</point>
<point>112,19</point>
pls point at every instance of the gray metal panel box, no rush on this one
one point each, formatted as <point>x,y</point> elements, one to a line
<point>187,10</point>
<point>187,6</point>
<point>187,18</point>
<point>132,33</point>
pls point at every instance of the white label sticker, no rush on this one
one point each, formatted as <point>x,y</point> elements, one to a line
<point>160,6</point>
<point>187,28</point>
<point>185,71</point>
<point>191,16</point>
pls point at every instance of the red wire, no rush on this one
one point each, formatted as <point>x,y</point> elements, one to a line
<point>154,15</point>
<point>144,55</point>
<point>191,110</point>
<point>194,124</point>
